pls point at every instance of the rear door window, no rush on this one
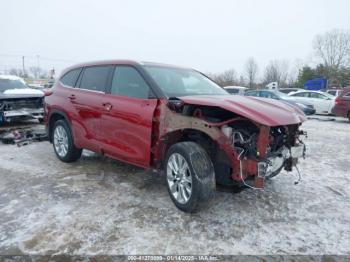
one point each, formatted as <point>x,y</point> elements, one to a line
<point>128,82</point>
<point>96,78</point>
<point>302,94</point>
<point>70,78</point>
<point>318,96</point>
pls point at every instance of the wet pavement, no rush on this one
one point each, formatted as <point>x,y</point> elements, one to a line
<point>102,206</point>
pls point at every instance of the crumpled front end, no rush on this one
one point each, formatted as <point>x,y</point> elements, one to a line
<point>21,107</point>
<point>263,151</point>
<point>243,151</point>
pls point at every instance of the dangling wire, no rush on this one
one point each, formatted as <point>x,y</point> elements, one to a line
<point>241,172</point>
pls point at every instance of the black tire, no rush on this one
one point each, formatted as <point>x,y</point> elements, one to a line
<point>73,153</point>
<point>202,174</point>
<point>349,116</point>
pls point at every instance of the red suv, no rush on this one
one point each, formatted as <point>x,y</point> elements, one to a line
<point>342,104</point>
<point>172,119</point>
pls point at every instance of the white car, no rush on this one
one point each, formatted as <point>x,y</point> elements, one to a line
<point>18,101</point>
<point>322,102</point>
<point>334,92</point>
<point>236,90</point>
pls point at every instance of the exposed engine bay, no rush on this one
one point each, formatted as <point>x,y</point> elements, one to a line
<point>247,152</point>
<point>21,107</point>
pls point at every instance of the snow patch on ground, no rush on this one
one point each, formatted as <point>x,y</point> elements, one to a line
<point>102,206</point>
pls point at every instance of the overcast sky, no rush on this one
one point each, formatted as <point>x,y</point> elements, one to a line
<point>208,35</point>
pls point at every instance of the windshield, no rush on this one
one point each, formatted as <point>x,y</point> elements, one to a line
<point>6,84</point>
<point>177,82</point>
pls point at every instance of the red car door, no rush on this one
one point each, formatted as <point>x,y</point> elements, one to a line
<point>88,99</point>
<point>126,125</point>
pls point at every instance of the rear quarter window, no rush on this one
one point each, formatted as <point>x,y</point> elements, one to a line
<point>71,77</point>
<point>95,78</point>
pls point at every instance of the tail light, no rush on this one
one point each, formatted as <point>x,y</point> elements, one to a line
<point>337,100</point>
<point>47,92</point>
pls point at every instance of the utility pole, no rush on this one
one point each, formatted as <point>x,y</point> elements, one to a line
<point>24,72</point>
<point>38,65</point>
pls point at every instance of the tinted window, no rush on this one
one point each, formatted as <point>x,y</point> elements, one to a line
<point>128,82</point>
<point>348,94</point>
<point>95,78</point>
<point>303,94</point>
<point>332,92</point>
<point>267,95</point>
<point>232,91</point>
<point>317,95</point>
<point>70,78</point>
<point>251,93</point>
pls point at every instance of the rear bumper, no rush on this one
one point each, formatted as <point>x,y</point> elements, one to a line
<point>340,111</point>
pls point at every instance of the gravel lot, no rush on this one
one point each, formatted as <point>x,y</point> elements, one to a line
<point>101,206</point>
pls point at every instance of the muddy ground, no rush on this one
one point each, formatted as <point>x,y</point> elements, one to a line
<point>101,206</point>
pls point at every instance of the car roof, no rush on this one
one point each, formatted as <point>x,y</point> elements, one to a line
<point>121,62</point>
<point>236,87</point>
<point>312,91</point>
<point>266,90</point>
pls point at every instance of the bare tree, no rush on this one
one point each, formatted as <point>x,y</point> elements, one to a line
<point>15,72</point>
<point>37,72</point>
<point>276,71</point>
<point>226,78</point>
<point>251,71</point>
<point>333,47</point>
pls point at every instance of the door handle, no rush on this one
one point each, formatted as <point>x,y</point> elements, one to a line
<point>71,97</point>
<point>107,106</point>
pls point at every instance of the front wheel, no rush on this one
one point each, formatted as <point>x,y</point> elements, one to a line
<point>190,176</point>
<point>63,143</point>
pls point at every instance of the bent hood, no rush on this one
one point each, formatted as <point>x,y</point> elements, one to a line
<point>267,112</point>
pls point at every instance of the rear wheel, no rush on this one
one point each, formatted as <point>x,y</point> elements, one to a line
<point>349,116</point>
<point>63,143</point>
<point>190,176</point>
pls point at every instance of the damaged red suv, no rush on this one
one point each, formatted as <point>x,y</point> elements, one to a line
<point>172,119</point>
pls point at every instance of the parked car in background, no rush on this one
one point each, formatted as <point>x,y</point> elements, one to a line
<point>289,90</point>
<point>175,119</point>
<point>236,90</point>
<point>275,94</point>
<point>334,92</point>
<point>18,101</point>
<point>49,83</point>
<point>322,101</point>
<point>342,104</point>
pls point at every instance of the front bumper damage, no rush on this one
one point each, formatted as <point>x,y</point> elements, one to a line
<point>24,112</point>
<point>267,164</point>
<point>21,107</point>
<point>271,165</point>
